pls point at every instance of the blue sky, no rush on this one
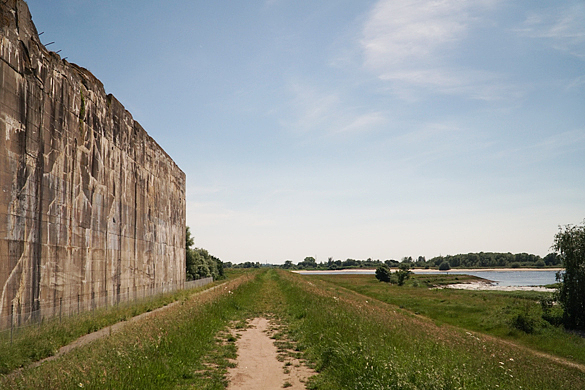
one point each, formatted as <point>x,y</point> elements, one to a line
<point>351,129</point>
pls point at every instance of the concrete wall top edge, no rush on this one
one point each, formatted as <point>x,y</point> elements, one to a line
<point>16,13</point>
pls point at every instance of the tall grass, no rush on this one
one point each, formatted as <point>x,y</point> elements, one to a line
<point>491,312</point>
<point>354,342</point>
<point>172,348</point>
<point>360,343</point>
<point>35,342</point>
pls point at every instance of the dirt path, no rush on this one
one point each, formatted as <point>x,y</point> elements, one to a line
<point>258,366</point>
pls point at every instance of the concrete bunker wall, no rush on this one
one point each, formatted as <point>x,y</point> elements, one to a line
<point>91,208</point>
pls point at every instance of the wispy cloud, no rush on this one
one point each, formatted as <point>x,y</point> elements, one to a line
<point>430,145</point>
<point>363,122</point>
<point>314,109</point>
<point>399,32</point>
<point>563,27</point>
<point>328,113</point>
<point>409,43</point>
<point>576,83</point>
<point>561,144</point>
<point>450,80</point>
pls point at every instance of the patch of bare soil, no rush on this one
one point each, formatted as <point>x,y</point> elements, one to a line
<point>262,365</point>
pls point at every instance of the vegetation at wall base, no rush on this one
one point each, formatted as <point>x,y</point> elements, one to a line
<point>38,341</point>
<point>199,263</point>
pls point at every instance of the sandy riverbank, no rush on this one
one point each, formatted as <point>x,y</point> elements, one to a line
<point>490,269</point>
<point>422,270</point>
<point>477,286</point>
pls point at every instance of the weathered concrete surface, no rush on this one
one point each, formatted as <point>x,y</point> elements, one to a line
<point>91,207</point>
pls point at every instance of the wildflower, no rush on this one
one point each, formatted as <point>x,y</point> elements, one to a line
<point>80,384</point>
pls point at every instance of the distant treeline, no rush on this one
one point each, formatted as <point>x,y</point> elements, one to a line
<point>490,259</point>
<point>468,260</point>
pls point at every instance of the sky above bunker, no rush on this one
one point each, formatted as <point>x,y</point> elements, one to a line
<point>351,129</point>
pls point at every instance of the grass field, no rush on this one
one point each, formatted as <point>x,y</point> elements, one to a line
<point>38,341</point>
<point>353,340</point>
<point>491,312</point>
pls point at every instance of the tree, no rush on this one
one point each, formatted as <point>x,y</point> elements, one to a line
<point>392,263</point>
<point>421,261</point>
<point>383,273</point>
<point>444,266</point>
<point>199,263</point>
<point>309,262</point>
<point>189,256</point>
<point>569,243</point>
<point>551,259</point>
<point>403,273</point>
<point>407,259</point>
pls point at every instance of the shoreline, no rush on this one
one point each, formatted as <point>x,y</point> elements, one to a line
<point>491,269</point>
<point>482,286</point>
<point>423,270</point>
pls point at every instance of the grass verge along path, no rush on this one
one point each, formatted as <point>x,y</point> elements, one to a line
<point>37,342</point>
<point>353,341</point>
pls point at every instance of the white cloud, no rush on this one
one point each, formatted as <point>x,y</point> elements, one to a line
<point>411,30</point>
<point>576,83</point>
<point>364,122</point>
<point>475,84</point>
<point>563,27</point>
<point>408,44</point>
<point>328,113</point>
<point>560,144</point>
<point>314,109</point>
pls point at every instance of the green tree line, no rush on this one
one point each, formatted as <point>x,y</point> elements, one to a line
<point>199,263</point>
<point>494,259</point>
<point>469,260</point>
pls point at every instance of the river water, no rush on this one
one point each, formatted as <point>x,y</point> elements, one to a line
<point>506,277</point>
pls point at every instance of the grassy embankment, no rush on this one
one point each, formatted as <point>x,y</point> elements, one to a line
<point>38,341</point>
<point>515,316</point>
<point>355,342</point>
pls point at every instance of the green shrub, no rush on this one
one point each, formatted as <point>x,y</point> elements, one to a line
<point>523,322</point>
<point>383,273</point>
<point>444,266</point>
